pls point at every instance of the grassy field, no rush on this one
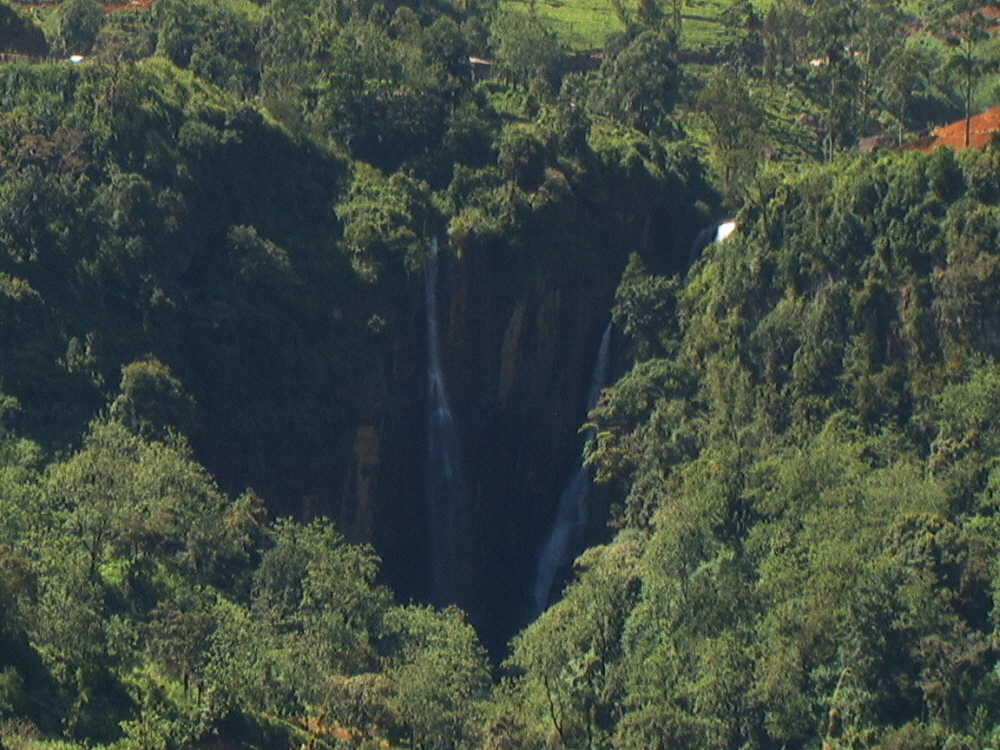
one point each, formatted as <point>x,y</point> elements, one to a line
<point>584,24</point>
<point>581,24</point>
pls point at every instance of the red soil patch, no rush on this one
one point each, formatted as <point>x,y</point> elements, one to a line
<point>982,128</point>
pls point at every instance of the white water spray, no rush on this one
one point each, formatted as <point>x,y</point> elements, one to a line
<point>712,233</point>
<point>570,523</point>
<point>445,509</point>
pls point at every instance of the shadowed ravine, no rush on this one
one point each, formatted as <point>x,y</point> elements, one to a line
<point>445,508</point>
<point>572,513</point>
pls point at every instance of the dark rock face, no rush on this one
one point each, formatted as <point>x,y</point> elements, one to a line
<point>518,349</point>
<point>519,327</point>
<point>522,396</point>
<point>20,37</point>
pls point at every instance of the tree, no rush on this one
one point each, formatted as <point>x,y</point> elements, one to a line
<point>152,402</point>
<point>382,217</point>
<point>569,660</point>
<point>835,84</point>
<point>217,41</point>
<point>964,27</point>
<point>315,597</point>
<point>640,81</point>
<point>902,74</point>
<point>80,22</point>
<point>127,499</point>
<point>260,261</point>
<point>526,52</point>
<point>437,670</point>
<point>386,100</point>
<point>737,123</point>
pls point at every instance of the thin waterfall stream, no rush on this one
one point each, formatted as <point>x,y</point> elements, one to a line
<point>445,506</point>
<point>566,537</point>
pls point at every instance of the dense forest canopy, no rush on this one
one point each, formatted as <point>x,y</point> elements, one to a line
<point>221,344</point>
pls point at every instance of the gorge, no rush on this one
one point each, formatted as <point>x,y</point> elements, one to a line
<point>276,294</point>
<point>565,539</point>
<point>446,510</point>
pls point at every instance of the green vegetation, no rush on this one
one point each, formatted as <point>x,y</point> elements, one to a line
<point>581,25</point>
<point>586,24</point>
<point>213,232</point>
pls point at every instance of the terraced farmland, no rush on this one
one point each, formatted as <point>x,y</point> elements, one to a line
<point>584,24</point>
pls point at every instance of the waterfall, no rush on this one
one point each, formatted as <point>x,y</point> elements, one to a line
<point>716,232</point>
<point>570,523</point>
<point>445,511</point>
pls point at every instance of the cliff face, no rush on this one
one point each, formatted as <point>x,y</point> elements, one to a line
<point>519,328</point>
<point>205,238</point>
<point>522,392</point>
<point>517,351</point>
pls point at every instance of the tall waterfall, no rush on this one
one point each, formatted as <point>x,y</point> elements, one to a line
<point>445,509</point>
<point>568,529</point>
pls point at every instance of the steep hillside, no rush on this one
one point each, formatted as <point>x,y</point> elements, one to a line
<point>808,447</point>
<point>303,305</point>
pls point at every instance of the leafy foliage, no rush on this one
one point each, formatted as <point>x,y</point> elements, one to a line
<point>211,234</point>
<point>803,445</point>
